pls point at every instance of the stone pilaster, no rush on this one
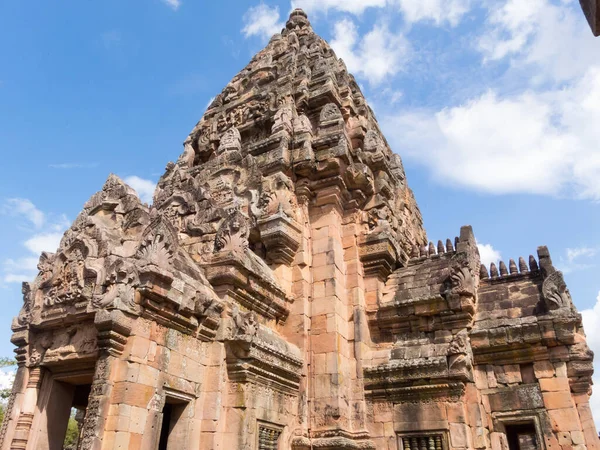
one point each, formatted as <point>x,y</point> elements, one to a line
<point>113,330</point>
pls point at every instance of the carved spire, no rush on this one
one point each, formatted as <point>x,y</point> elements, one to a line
<point>503,269</point>
<point>512,267</point>
<point>494,271</point>
<point>449,247</point>
<point>533,266</point>
<point>431,249</point>
<point>523,265</point>
<point>483,273</point>
<point>440,248</point>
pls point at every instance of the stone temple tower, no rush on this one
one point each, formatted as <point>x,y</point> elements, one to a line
<point>281,293</point>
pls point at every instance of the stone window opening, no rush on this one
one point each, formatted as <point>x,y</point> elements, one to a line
<point>522,436</point>
<point>174,426</point>
<point>521,430</point>
<point>268,436</point>
<point>423,441</point>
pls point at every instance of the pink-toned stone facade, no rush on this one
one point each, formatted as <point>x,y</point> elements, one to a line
<point>280,293</point>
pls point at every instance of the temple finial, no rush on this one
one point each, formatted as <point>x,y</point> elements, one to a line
<point>298,18</point>
<point>523,265</point>
<point>483,273</point>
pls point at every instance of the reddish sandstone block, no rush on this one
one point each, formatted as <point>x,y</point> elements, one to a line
<point>325,343</point>
<point>139,347</point>
<point>459,435</point>
<point>557,400</point>
<point>132,394</point>
<point>543,369</point>
<point>554,384</point>
<point>456,412</point>
<point>135,441</point>
<point>138,420</point>
<point>108,440</point>
<point>122,441</point>
<point>565,419</point>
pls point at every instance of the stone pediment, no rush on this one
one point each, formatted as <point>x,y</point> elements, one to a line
<point>119,255</point>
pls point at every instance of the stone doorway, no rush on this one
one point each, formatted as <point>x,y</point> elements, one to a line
<point>64,397</point>
<point>175,422</point>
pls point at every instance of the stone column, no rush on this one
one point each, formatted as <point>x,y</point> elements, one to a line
<point>330,362</point>
<point>28,407</point>
<point>113,330</point>
<point>11,413</point>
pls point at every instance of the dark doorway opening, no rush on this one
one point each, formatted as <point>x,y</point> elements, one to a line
<point>521,436</point>
<point>172,430</point>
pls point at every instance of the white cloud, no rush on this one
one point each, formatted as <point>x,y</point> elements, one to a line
<point>488,254</point>
<point>17,277</point>
<point>43,242</point>
<point>26,208</point>
<point>73,165</point>
<point>437,11</point>
<point>175,4</point>
<point>580,252</point>
<point>46,238</point>
<point>591,324</point>
<point>577,259</point>
<point>379,54</point>
<point>28,264</point>
<point>350,6</point>
<point>262,21</point>
<point>549,38</point>
<point>7,377</point>
<point>535,142</point>
<point>144,188</point>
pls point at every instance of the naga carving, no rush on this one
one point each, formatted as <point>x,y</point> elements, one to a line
<point>461,280</point>
<point>555,292</point>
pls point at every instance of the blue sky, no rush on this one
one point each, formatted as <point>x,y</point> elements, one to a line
<point>493,105</point>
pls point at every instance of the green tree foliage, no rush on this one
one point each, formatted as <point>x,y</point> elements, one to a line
<point>72,434</point>
<point>5,393</point>
<point>7,362</point>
